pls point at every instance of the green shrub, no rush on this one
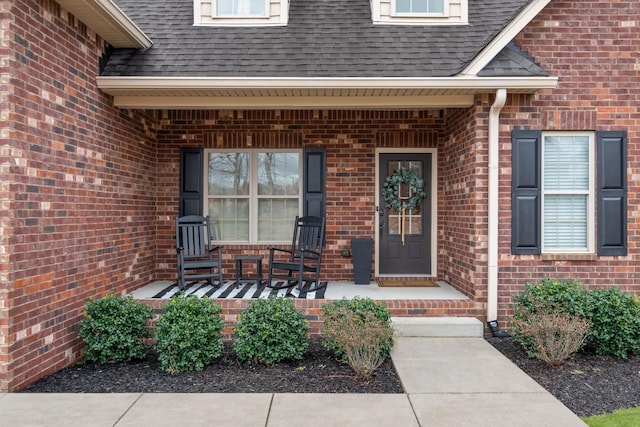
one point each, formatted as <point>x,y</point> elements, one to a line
<point>615,322</point>
<point>189,334</point>
<point>548,296</point>
<point>614,315</point>
<point>270,331</point>
<point>362,338</point>
<point>367,310</point>
<point>114,328</point>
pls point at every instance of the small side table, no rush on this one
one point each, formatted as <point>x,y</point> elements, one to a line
<point>251,258</point>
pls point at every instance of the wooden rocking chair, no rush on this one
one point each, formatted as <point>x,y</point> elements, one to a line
<point>301,263</point>
<point>195,251</point>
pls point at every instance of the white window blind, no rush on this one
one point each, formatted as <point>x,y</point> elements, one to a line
<point>567,192</point>
<point>241,7</point>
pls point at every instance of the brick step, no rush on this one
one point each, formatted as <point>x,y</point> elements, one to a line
<point>438,327</point>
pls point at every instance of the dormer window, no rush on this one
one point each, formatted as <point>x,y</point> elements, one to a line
<point>241,13</point>
<point>420,7</point>
<point>420,12</point>
<point>240,8</point>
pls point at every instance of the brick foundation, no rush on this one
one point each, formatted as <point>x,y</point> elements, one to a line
<point>313,313</point>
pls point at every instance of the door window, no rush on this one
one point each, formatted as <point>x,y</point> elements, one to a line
<point>412,219</point>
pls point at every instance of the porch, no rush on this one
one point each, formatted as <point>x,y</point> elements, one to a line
<point>442,300</point>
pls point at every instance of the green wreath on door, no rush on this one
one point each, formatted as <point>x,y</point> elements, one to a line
<point>394,200</point>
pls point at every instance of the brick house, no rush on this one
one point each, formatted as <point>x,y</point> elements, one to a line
<point>105,107</point>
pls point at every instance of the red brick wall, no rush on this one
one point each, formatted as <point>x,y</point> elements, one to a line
<point>592,47</point>
<point>90,193</point>
<point>350,139</point>
<point>462,232</point>
<point>78,190</point>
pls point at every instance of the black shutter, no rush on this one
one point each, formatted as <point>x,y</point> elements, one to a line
<point>612,193</point>
<point>525,192</point>
<point>191,181</point>
<point>314,182</point>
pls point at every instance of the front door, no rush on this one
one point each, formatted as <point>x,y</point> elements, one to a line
<point>404,240</point>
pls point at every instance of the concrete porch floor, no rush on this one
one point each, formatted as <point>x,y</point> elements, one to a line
<point>348,290</point>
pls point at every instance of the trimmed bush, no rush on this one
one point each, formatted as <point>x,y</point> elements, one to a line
<point>362,338</point>
<point>336,315</point>
<point>270,331</point>
<point>549,296</point>
<point>556,336</point>
<point>615,322</point>
<point>189,334</point>
<point>114,328</point>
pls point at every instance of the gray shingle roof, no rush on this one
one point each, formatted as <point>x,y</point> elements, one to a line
<point>513,62</point>
<point>324,38</point>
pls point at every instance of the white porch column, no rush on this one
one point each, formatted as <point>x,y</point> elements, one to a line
<point>493,202</point>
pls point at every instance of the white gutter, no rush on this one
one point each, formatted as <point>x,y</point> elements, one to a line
<point>309,92</point>
<point>494,207</point>
<point>114,85</point>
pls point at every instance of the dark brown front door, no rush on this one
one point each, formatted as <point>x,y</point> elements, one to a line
<point>404,241</point>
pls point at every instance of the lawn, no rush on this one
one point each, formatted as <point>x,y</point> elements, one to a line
<point>622,418</point>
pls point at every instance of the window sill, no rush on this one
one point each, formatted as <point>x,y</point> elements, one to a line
<point>569,257</point>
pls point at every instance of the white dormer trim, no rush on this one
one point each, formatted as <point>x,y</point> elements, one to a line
<point>505,36</point>
<point>456,12</point>
<point>277,14</point>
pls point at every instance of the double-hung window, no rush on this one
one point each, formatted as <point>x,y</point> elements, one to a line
<point>253,195</point>
<point>419,7</point>
<point>568,176</point>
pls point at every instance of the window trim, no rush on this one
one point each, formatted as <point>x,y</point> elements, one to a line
<point>253,190</point>
<point>590,193</point>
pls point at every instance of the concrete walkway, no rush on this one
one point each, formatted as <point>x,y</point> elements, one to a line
<point>448,382</point>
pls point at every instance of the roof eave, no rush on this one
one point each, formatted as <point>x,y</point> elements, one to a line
<point>108,21</point>
<point>276,92</point>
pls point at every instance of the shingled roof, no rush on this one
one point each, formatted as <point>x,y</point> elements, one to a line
<point>323,38</point>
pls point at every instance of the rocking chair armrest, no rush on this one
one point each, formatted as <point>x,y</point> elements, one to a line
<point>179,249</point>
<point>273,249</point>
<point>215,248</point>
<point>309,251</point>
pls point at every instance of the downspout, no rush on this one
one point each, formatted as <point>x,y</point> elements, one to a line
<point>493,213</point>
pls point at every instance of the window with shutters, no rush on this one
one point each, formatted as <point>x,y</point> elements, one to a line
<point>253,195</point>
<point>568,186</point>
<point>555,194</point>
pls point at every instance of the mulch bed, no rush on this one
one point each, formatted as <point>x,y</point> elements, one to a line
<point>318,372</point>
<point>587,384</point>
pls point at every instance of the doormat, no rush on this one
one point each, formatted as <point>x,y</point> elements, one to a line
<point>228,290</point>
<point>404,283</point>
